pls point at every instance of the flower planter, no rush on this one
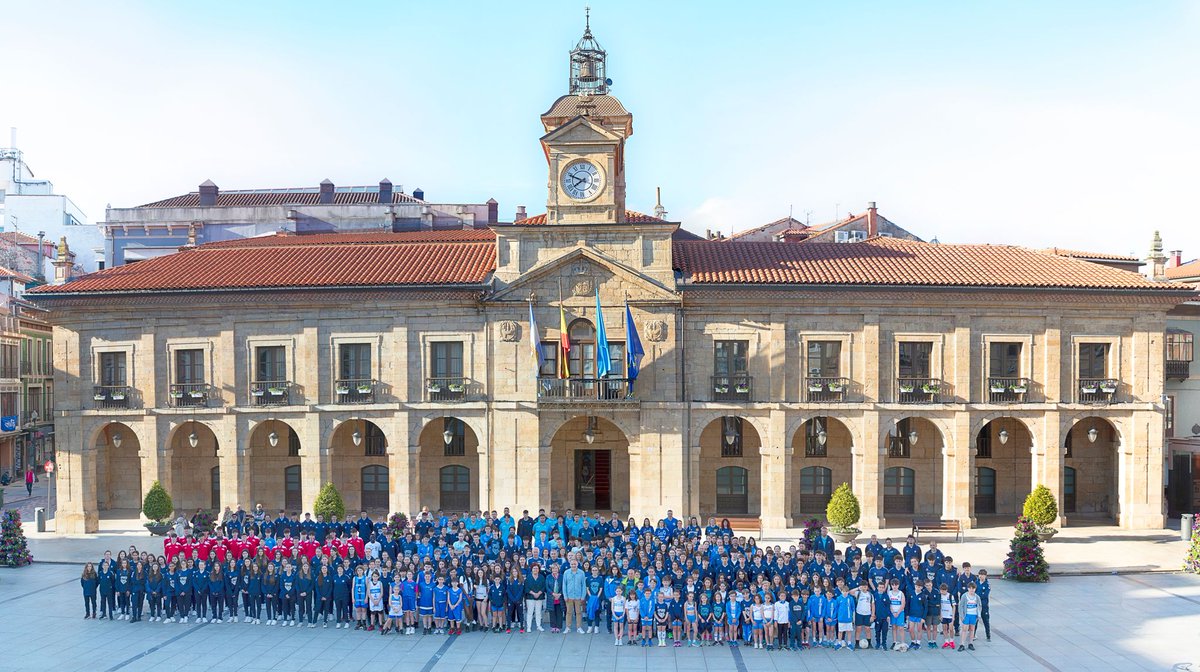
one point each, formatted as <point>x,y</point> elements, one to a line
<point>742,389</point>
<point>456,388</point>
<point>1088,390</point>
<point>434,389</point>
<point>998,389</point>
<point>835,388</point>
<point>118,397</point>
<point>930,389</point>
<point>721,389</point>
<point>342,390</point>
<point>257,393</point>
<point>1108,390</point>
<point>364,389</point>
<point>1046,534</point>
<point>98,397</point>
<point>196,395</point>
<point>179,395</point>
<point>845,537</point>
<point>1018,389</point>
<point>277,391</point>
<point>907,389</point>
<point>818,388</point>
<point>158,530</point>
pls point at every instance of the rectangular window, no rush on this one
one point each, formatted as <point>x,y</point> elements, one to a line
<point>270,364</point>
<point>189,367</point>
<point>549,359</point>
<point>354,361</point>
<point>8,403</point>
<point>1005,360</point>
<point>1093,360</point>
<point>1179,345</point>
<point>616,359</point>
<point>824,359</point>
<point>112,369</point>
<point>729,357</point>
<point>914,359</point>
<point>983,442</point>
<point>446,359</point>
<point>814,446</point>
<point>293,440</point>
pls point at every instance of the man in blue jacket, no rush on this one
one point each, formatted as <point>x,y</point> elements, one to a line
<point>574,589</point>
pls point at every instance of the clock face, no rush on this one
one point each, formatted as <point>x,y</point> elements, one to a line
<point>582,180</point>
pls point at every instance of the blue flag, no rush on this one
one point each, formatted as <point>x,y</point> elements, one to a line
<point>633,348</point>
<point>603,361</point>
<point>535,344</point>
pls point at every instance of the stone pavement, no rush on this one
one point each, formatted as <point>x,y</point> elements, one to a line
<point>1118,623</point>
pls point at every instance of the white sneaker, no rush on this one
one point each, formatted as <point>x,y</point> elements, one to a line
<point>579,630</point>
<point>184,619</point>
<point>312,625</point>
<point>540,629</point>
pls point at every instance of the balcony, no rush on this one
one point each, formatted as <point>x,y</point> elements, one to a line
<point>189,395</point>
<point>734,387</point>
<point>26,367</point>
<point>1096,391</point>
<point>354,391</point>
<point>34,417</point>
<point>10,371</point>
<point>1178,369</point>
<point>450,388</point>
<point>826,389</point>
<point>920,390</point>
<point>111,396</point>
<point>270,392</point>
<point>1005,390</point>
<point>551,389</point>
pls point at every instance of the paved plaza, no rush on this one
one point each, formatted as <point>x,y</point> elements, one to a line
<point>1120,623</point>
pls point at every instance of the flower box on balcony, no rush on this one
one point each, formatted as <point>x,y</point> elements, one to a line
<point>1108,389</point>
<point>177,395</point>
<point>930,388</point>
<point>256,393</point>
<point>1018,389</point>
<point>1088,389</point>
<point>998,389</point>
<point>118,397</point>
<point>817,387</point>
<point>455,387</point>
<point>742,389</point>
<point>276,391</point>
<point>342,389</point>
<point>721,389</point>
<point>905,389</point>
<point>196,394</point>
<point>835,387</point>
<point>364,389</point>
<point>98,397</point>
<point>434,389</point>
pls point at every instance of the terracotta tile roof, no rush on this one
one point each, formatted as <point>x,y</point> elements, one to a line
<point>1190,270</point>
<point>356,238</point>
<point>790,222</point>
<point>287,196</point>
<point>895,262</point>
<point>571,105</point>
<point>1079,254</point>
<point>15,275</point>
<point>631,217</point>
<point>330,264</point>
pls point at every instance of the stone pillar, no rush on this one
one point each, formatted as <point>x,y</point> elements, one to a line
<point>692,474</point>
<point>670,447</point>
<point>1054,363</point>
<point>315,466</point>
<point>540,494</point>
<point>873,361</point>
<point>1049,458</point>
<point>773,477</point>
<point>75,484</point>
<point>148,456</point>
<point>958,472</point>
<point>231,459</point>
<point>1140,472</point>
<point>637,479</point>
<point>868,472</point>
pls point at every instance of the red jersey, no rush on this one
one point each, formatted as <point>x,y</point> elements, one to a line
<point>359,546</point>
<point>308,548</point>
<point>170,548</point>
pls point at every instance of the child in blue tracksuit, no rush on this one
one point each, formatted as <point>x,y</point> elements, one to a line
<point>816,619</point>
<point>287,597</point>
<point>154,584</point>
<point>200,591</point>
<point>251,593</point>
<point>90,584</point>
<point>124,584</point>
<point>137,592</point>
<point>341,598</point>
<point>107,585</point>
<point>184,593</point>
<point>168,596</point>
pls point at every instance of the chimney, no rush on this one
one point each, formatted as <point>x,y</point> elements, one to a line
<point>1157,259</point>
<point>62,262</point>
<point>191,235</point>
<point>326,195</point>
<point>385,191</point>
<point>419,194</point>
<point>208,193</point>
<point>493,211</point>
<point>792,236</point>
<point>41,260</point>
<point>1176,259</point>
<point>520,214</point>
<point>872,220</point>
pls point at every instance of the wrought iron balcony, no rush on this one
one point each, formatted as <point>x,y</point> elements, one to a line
<point>449,388</point>
<point>354,391</point>
<point>920,390</point>
<point>190,395</point>
<point>270,392</point>
<point>1005,390</point>
<point>111,396</point>
<point>1097,390</point>
<point>583,389</point>
<point>733,387</point>
<point>825,389</point>
<point>1178,370</point>
<point>10,371</point>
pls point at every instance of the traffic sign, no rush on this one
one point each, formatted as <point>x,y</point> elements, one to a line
<point>49,466</point>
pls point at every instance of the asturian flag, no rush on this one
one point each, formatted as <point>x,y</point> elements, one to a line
<point>603,363</point>
<point>535,343</point>
<point>633,348</point>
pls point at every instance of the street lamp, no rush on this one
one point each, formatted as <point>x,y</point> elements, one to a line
<point>447,434</point>
<point>193,440</point>
<point>116,440</point>
<point>822,435</point>
<point>912,438</point>
<point>1093,434</point>
<point>1003,436</point>
<point>356,437</point>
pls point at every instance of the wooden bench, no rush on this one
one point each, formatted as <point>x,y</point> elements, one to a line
<point>744,523</point>
<point>936,525</point>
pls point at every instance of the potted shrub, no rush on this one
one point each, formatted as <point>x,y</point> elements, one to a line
<point>1042,510</point>
<point>1026,562</point>
<point>99,396</point>
<point>433,388</point>
<point>843,512</point>
<point>329,503</point>
<point>117,396</point>
<point>204,521</point>
<point>455,387</point>
<point>276,391</point>
<point>364,388</point>
<point>1089,388</point>
<point>257,392</point>
<point>835,387</point>
<point>397,524</point>
<point>906,388</point>
<point>157,506</point>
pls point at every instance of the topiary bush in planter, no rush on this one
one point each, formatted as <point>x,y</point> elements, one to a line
<point>1041,509</point>
<point>330,503</point>
<point>842,512</point>
<point>157,506</point>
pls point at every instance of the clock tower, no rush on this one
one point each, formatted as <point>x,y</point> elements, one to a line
<point>585,143</point>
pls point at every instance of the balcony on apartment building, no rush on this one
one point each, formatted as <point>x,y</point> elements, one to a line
<point>580,389</point>
<point>732,387</point>
<point>1008,390</point>
<point>189,395</point>
<point>271,393</point>
<point>825,389</point>
<point>920,390</point>
<point>1096,391</point>
<point>106,397</point>
<point>354,390</point>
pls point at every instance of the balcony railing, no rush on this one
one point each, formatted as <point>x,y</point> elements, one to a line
<point>1178,369</point>
<point>270,392</point>
<point>26,367</point>
<point>354,391</point>
<point>33,417</point>
<point>825,389</point>
<point>189,395</point>
<point>10,371</point>
<point>1097,390</point>
<point>447,388</point>
<point>733,387</point>
<point>920,390</point>
<point>111,396</point>
<point>583,389</point>
<point>1004,390</point>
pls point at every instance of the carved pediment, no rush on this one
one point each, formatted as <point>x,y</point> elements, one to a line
<point>579,272</point>
<point>580,131</point>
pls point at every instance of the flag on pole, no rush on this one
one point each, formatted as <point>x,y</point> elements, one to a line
<point>633,348</point>
<point>535,343</point>
<point>603,362</point>
<point>564,343</point>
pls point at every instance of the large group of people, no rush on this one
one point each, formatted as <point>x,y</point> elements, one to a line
<point>647,585</point>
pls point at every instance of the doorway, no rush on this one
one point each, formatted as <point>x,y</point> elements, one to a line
<point>593,480</point>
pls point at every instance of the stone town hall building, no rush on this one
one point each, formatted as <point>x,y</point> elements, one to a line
<point>938,380</point>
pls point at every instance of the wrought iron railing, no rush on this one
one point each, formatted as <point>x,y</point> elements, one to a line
<point>1096,390</point>
<point>1006,390</point>
<point>270,392</point>
<point>111,396</point>
<point>732,387</point>
<point>189,395</point>
<point>824,389</point>
<point>920,390</point>
<point>354,391</point>
<point>1178,369</point>
<point>581,389</point>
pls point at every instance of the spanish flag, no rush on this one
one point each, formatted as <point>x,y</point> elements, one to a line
<point>564,344</point>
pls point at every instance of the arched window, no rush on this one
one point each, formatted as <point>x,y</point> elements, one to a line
<point>898,490</point>
<point>292,501</point>
<point>216,488</point>
<point>458,437</point>
<point>1069,477</point>
<point>582,358</point>
<point>375,487</point>
<point>455,488</point>
<point>732,490</point>
<point>985,490</point>
<point>816,487</point>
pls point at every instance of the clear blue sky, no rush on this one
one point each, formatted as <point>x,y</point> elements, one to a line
<point>1064,123</point>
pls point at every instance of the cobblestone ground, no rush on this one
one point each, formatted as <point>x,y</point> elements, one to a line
<point>1120,623</point>
<point>16,497</point>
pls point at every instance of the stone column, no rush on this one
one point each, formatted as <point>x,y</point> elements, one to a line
<point>395,428</point>
<point>868,472</point>
<point>540,494</point>
<point>231,459</point>
<point>1049,458</point>
<point>315,466</point>
<point>773,478</point>
<point>148,456</point>
<point>75,484</point>
<point>670,446</point>
<point>958,472</point>
<point>1140,472</point>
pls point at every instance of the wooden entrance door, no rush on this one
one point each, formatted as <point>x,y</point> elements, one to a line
<point>593,480</point>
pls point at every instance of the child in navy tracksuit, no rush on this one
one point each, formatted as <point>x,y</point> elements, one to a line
<point>90,583</point>
<point>107,587</point>
<point>882,610</point>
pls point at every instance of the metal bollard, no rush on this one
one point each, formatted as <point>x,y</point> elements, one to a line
<point>1185,526</point>
<point>39,516</point>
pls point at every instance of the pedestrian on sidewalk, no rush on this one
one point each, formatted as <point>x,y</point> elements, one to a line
<point>30,478</point>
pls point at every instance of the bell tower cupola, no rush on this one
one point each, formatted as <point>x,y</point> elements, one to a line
<point>587,64</point>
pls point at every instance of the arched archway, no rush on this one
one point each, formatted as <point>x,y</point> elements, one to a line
<point>273,467</point>
<point>1003,445</point>
<point>1091,450</point>
<point>118,468</point>
<point>913,469</point>
<point>730,441</point>
<point>355,446</point>
<point>195,470</point>
<point>449,441</point>
<point>591,475</point>
<point>821,461</point>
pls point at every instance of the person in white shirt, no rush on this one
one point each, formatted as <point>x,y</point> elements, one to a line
<point>617,604</point>
<point>781,619</point>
